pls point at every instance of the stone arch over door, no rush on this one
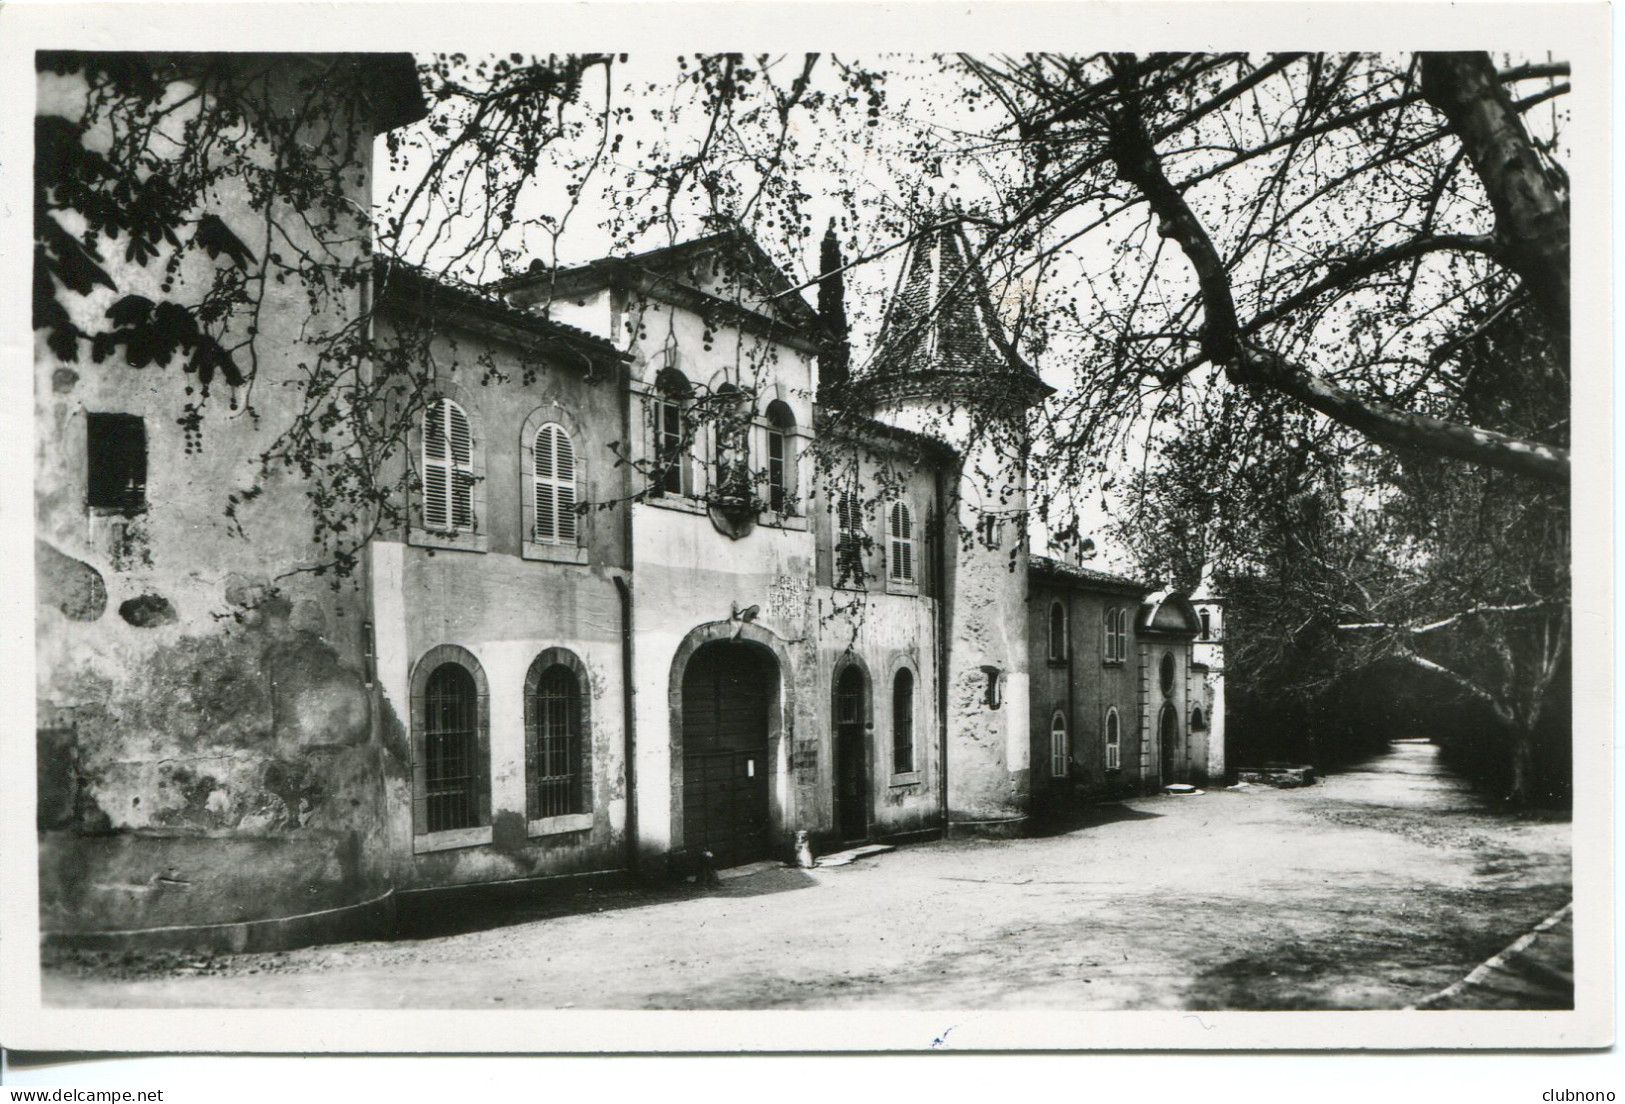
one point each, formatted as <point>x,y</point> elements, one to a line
<point>781,708</point>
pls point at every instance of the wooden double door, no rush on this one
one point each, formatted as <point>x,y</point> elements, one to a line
<point>729,691</point>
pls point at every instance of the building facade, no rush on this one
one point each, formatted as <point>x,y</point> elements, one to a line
<point>659,591</point>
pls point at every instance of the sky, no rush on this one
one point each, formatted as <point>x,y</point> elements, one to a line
<point>873,160</point>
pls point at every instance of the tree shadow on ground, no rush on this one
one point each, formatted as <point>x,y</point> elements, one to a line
<point>1074,818</point>
<point>480,908</point>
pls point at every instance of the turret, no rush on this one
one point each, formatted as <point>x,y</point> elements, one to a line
<point>944,368</point>
<point>1208,654</point>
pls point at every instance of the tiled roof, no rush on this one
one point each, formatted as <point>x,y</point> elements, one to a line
<point>1043,565</point>
<point>850,425</point>
<point>940,318</point>
<point>412,287</point>
<point>674,262</point>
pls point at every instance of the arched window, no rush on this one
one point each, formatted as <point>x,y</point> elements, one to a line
<point>1057,633</point>
<point>900,543</point>
<point>1116,643</point>
<point>1058,751</point>
<point>673,471</point>
<point>1198,719</point>
<point>902,722</point>
<point>450,749</point>
<point>849,542</point>
<point>554,485</point>
<point>448,468</point>
<point>781,461</point>
<point>732,443</point>
<point>1207,625</point>
<point>555,739</point>
<point>1114,741</point>
<point>1165,676</point>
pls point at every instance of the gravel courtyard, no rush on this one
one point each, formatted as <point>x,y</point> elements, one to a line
<point>1373,889</point>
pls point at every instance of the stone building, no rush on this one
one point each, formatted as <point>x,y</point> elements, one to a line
<point>661,588</point>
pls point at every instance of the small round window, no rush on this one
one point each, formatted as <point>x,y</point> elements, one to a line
<point>1167,673</point>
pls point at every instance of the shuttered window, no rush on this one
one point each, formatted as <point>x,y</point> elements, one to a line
<point>1058,751</point>
<point>1116,649</point>
<point>448,468</point>
<point>554,459</point>
<point>1057,632</point>
<point>902,722</point>
<point>1114,741</point>
<point>900,543</point>
<point>849,542</point>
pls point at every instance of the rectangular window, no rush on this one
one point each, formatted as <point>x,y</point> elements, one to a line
<point>116,456</point>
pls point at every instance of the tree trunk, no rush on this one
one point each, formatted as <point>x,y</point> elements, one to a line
<point>1530,200</point>
<point>1521,781</point>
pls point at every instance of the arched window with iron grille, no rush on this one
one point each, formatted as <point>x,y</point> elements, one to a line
<point>556,781</point>
<point>451,749</point>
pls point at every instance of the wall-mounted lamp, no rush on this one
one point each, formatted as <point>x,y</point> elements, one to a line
<point>995,689</point>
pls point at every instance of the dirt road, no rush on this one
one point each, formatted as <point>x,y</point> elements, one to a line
<point>1374,889</point>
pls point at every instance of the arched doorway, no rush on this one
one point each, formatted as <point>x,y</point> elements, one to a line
<point>729,690</point>
<point>852,754</point>
<point>1173,762</point>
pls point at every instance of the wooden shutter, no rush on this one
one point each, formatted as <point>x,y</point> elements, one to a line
<point>461,440</point>
<point>553,456</point>
<point>901,552</point>
<point>436,468</point>
<point>849,543</point>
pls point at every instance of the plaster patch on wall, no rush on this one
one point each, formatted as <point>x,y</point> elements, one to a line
<point>69,585</point>
<point>148,611</point>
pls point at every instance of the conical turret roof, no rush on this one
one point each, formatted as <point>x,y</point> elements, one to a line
<point>940,331</point>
